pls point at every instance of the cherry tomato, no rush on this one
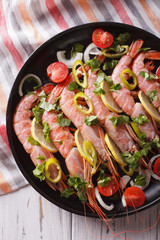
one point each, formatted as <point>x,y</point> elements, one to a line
<point>156,167</point>
<point>101,38</point>
<point>57,72</point>
<point>158,72</point>
<point>134,197</point>
<point>110,189</point>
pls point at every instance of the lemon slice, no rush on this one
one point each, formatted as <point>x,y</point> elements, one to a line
<point>79,142</point>
<point>149,106</point>
<point>108,99</point>
<point>114,150</point>
<point>38,135</point>
<point>136,129</point>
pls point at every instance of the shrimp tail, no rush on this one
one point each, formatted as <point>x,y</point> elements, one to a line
<point>152,55</point>
<point>135,47</point>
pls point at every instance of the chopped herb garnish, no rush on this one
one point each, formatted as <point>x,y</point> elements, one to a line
<point>98,91</point>
<point>101,77</point>
<point>110,65</point>
<point>41,157</point>
<point>72,86</point>
<point>120,119</point>
<point>39,171</point>
<point>67,193</point>
<point>104,181</point>
<point>63,122</point>
<point>94,64</point>
<point>32,141</point>
<point>122,38</point>
<point>77,47</point>
<point>148,76</point>
<point>91,120</point>
<point>38,112</point>
<point>132,159</point>
<point>46,105</point>
<point>153,95</point>
<point>140,180</point>
<point>59,141</point>
<point>140,119</point>
<point>46,131</point>
<point>115,87</point>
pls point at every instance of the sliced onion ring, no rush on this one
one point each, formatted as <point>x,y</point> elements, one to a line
<point>91,49</point>
<point>104,205</point>
<point>124,180</point>
<point>148,178</point>
<point>68,62</point>
<point>155,176</point>
<point>123,201</point>
<point>24,79</point>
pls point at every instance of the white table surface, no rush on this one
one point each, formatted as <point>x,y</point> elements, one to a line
<point>25,215</point>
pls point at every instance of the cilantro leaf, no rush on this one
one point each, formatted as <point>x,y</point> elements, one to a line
<point>132,159</point>
<point>148,76</point>
<point>98,91</point>
<point>38,112</point>
<point>63,122</point>
<point>101,76</point>
<point>41,157</point>
<point>32,141</point>
<point>46,105</point>
<point>104,181</point>
<point>67,193</point>
<point>115,87</point>
<point>91,120</point>
<point>153,95</point>
<point>39,171</point>
<point>77,47</point>
<point>123,38</point>
<point>46,131</point>
<point>59,141</point>
<point>94,64</point>
<point>140,180</point>
<point>110,65</point>
<point>140,119</point>
<point>120,119</point>
<point>72,86</point>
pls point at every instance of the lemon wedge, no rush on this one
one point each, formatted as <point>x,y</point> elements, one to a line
<point>114,150</point>
<point>38,135</point>
<point>79,142</point>
<point>108,99</point>
<point>136,129</point>
<point>149,106</point>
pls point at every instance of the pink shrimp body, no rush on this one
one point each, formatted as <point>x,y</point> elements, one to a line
<point>57,132</point>
<point>88,132</point>
<point>123,97</point>
<point>147,127</point>
<point>119,134</point>
<point>149,85</point>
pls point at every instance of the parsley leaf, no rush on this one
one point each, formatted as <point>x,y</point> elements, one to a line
<point>67,193</point>
<point>110,65</point>
<point>148,76</point>
<point>46,131</point>
<point>120,119</point>
<point>91,120</point>
<point>38,112</point>
<point>140,119</point>
<point>153,95</point>
<point>98,91</point>
<point>77,47</point>
<point>39,171</point>
<point>63,122</point>
<point>72,86</point>
<point>101,77</point>
<point>94,64</point>
<point>46,105</point>
<point>140,180</point>
<point>104,181</point>
<point>115,87</point>
<point>32,141</point>
<point>132,159</point>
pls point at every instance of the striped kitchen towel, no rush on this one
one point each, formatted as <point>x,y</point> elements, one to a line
<point>26,24</point>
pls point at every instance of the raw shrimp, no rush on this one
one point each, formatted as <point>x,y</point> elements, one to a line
<point>123,97</point>
<point>119,134</point>
<point>22,128</point>
<point>149,85</point>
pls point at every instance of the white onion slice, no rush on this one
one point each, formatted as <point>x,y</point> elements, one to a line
<point>155,176</point>
<point>91,49</point>
<point>24,79</point>
<point>124,180</point>
<point>123,201</point>
<point>104,205</point>
<point>68,62</point>
<point>132,183</point>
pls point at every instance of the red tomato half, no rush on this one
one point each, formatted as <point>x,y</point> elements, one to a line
<point>101,38</point>
<point>158,72</point>
<point>57,72</point>
<point>134,197</point>
<point>110,189</point>
<point>156,167</point>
